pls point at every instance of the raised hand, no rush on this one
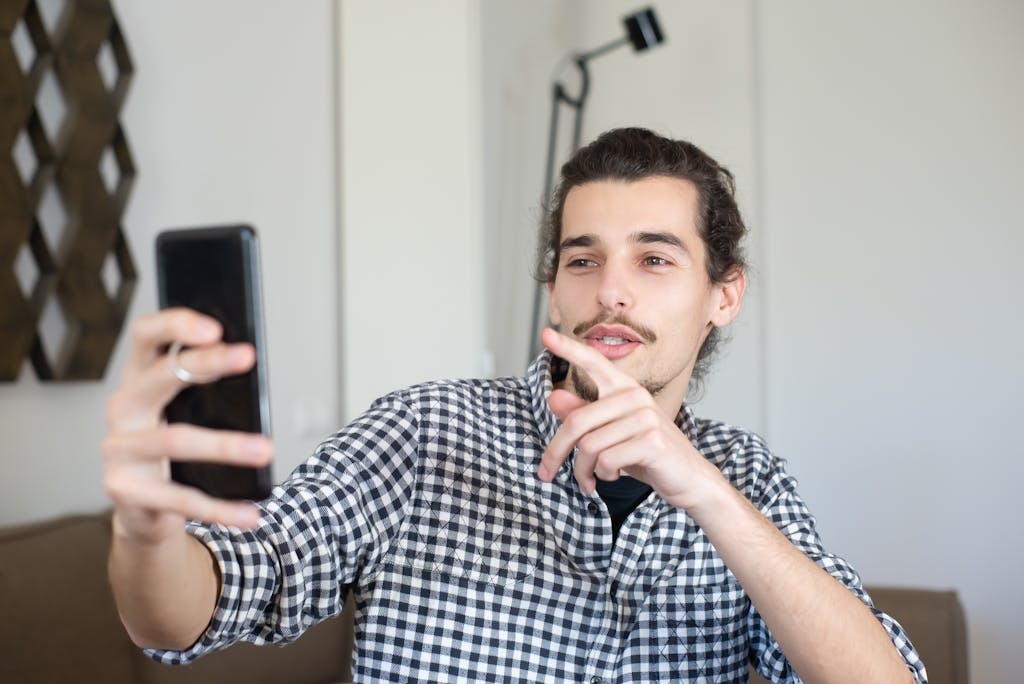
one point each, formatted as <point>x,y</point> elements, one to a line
<point>139,446</point>
<point>623,432</point>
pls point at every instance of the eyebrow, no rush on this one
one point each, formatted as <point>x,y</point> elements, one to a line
<point>669,239</point>
<point>578,241</point>
<point>643,237</point>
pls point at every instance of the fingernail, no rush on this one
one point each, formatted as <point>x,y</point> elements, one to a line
<point>542,472</point>
<point>249,518</point>
<point>207,328</point>
<point>254,447</point>
<point>239,354</point>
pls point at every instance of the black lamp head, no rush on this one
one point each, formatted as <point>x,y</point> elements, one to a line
<point>644,31</point>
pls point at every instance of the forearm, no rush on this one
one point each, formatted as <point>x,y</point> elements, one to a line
<point>827,633</point>
<point>166,592</point>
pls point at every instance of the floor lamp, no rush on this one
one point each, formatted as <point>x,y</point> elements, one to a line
<point>643,32</point>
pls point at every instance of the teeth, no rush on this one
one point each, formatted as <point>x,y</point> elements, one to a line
<point>613,340</point>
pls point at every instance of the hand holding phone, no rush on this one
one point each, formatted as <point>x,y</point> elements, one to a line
<point>215,271</point>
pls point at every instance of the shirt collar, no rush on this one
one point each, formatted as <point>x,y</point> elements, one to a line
<point>538,377</point>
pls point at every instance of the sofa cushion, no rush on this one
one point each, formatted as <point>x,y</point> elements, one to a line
<point>60,624</point>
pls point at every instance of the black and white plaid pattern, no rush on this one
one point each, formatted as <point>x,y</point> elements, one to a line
<point>466,567</point>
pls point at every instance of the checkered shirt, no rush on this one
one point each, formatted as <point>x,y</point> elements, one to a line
<point>465,566</point>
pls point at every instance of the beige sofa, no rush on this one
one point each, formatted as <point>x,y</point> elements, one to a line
<point>60,625</point>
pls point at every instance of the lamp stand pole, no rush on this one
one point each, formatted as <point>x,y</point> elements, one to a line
<point>643,31</point>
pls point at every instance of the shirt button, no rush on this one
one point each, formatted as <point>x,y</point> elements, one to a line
<point>594,510</point>
<point>595,680</point>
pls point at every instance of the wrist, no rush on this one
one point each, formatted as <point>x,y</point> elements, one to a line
<point>706,490</point>
<point>145,530</point>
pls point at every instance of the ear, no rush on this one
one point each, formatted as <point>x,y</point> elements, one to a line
<point>727,298</point>
<point>553,315</point>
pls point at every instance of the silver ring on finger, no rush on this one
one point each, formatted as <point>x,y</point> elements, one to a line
<point>184,374</point>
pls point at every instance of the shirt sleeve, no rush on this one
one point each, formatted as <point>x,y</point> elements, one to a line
<point>780,503</point>
<point>333,519</point>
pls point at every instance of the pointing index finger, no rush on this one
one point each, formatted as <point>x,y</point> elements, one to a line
<point>602,372</point>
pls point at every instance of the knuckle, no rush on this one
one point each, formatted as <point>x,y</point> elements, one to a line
<point>649,416</point>
<point>141,325</point>
<point>230,446</point>
<point>111,446</point>
<point>639,393</point>
<point>608,463</point>
<point>196,504</point>
<point>173,439</point>
<point>115,487</point>
<point>145,328</point>
<point>551,460</point>
<point>606,472</point>
<point>114,408</point>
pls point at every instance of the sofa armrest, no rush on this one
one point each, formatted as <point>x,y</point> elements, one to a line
<point>934,620</point>
<point>60,622</point>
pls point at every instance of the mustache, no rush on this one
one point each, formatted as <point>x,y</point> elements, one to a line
<point>645,333</point>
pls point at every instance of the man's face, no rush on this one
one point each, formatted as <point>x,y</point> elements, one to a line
<point>631,282</point>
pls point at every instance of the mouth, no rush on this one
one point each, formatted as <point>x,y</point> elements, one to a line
<point>612,341</point>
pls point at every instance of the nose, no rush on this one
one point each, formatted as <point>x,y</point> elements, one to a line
<point>615,290</point>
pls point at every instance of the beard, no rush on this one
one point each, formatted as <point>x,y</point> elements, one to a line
<point>582,384</point>
<point>586,390</point>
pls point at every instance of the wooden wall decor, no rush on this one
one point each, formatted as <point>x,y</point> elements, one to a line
<point>66,271</point>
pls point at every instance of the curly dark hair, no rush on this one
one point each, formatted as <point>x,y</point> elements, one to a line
<point>632,154</point>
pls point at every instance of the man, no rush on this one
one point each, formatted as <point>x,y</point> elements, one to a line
<point>578,524</point>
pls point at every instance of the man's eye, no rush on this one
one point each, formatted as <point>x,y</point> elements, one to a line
<point>655,261</point>
<point>580,262</point>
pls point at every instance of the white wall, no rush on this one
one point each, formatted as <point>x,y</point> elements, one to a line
<point>411,151</point>
<point>892,211</point>
<point>521,44</point>
<point>713,106</point>
<point>877,149</point>
<point>227,121</point>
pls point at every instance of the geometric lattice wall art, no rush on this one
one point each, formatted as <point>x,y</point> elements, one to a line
<point>66,271</point>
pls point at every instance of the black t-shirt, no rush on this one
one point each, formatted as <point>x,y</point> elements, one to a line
<point>621,496</point>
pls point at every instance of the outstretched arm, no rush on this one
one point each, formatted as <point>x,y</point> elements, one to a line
<point>165,582</point>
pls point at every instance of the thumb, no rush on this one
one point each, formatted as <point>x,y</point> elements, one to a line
<point>563,403</point>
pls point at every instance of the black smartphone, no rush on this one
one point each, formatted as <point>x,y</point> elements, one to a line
<point>216,271</point>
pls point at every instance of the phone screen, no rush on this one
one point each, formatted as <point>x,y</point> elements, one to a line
<point>216,271</point>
